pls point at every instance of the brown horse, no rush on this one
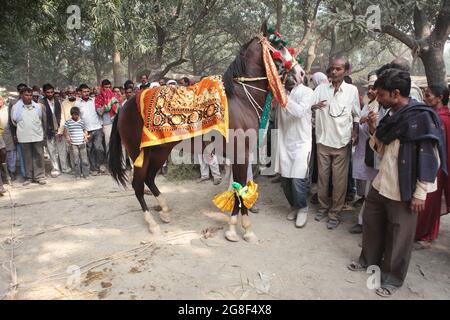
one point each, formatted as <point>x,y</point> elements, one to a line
<point>127,130</point>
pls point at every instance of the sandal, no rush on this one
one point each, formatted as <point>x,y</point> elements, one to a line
<point>320,215</point>
<point>356,266</point>
<point>333,224</point>
<point>422,245</point>
<point>386,291</point>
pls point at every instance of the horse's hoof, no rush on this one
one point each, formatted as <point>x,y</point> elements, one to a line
<point>231,236</point>
<point>155,230</point>
<point>165,217</point>
<point>153,227</point>
<point>250,237</point>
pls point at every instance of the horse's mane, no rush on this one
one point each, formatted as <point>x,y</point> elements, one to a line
<point>236,69</point>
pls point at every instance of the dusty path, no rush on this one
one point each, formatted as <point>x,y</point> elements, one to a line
<point>96,226</point>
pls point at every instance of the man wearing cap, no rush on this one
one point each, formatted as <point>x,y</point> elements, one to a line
<point>36,96</point>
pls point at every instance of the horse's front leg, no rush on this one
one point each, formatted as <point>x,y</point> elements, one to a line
<point>231,234</point>
<point>246,222</point>
<point>240,175</point>
<point>138,186</point>
<point>249,235</point>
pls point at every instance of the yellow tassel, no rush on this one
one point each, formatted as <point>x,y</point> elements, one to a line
<point>250,197</point>
<point>140,160</point>
<point>225,200</point>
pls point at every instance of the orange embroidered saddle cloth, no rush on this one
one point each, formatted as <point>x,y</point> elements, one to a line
<point>176,113</point>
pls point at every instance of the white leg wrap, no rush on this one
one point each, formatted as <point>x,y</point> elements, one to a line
<point>249,235</point>
<point>152,225</point>
<point>246,222</point>
<point>163,203</point>
<point>231,234</point>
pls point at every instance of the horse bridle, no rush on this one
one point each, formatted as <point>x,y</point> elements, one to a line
<point>243,80</point>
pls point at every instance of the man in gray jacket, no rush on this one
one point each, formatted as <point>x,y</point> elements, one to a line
<point>30,120</point>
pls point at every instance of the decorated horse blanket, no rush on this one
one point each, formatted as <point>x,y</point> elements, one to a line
<point>173,114</point>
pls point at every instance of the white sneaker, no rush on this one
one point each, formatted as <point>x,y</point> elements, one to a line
<point>302,218</point>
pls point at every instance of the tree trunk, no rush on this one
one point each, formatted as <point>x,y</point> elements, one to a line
<point>98,72</point>
<point>130,66</point>
<point>161,39</point>
<point>311,57</point>
<point>279,15</point>
<point>333,46</point>
<point>433,61</point>
<point>117,68</point>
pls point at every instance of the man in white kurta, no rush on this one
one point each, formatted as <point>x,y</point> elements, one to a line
<point>294,151</point>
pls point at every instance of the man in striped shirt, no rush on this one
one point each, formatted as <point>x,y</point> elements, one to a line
<point>77,137</point>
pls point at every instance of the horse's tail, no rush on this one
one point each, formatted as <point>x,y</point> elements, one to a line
<point>115,156</point>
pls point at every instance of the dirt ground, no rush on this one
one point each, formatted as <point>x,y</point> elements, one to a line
<point>88,240</point>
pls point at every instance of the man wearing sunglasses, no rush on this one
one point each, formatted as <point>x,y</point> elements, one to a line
<point>337,111</point>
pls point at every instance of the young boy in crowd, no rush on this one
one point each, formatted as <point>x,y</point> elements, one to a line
<point>77,137</point>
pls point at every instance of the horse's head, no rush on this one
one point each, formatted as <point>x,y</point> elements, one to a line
<point>284,58</point>
<point>291,71</point>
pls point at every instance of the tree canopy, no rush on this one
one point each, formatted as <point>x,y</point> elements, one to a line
<point>122,39</point>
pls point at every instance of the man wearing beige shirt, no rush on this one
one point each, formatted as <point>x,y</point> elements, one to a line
<point>410,141</point>
<point>337,118</point>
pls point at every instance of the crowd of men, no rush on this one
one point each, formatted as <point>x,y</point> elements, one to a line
<point>392,151</point>
<point>71,127</point>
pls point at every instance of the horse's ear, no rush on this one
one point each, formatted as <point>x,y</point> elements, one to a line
<point>264,28</point>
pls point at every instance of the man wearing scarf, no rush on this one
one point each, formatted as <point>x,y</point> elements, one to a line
<point>107,104</point>
<point>56,145</point>
<point>410,141</point>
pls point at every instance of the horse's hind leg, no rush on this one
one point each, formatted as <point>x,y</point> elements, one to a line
<point>156,161</point>
<point>164,214</point>
<point>139,177</point>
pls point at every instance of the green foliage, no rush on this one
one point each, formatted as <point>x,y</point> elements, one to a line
<point>189,37</point>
